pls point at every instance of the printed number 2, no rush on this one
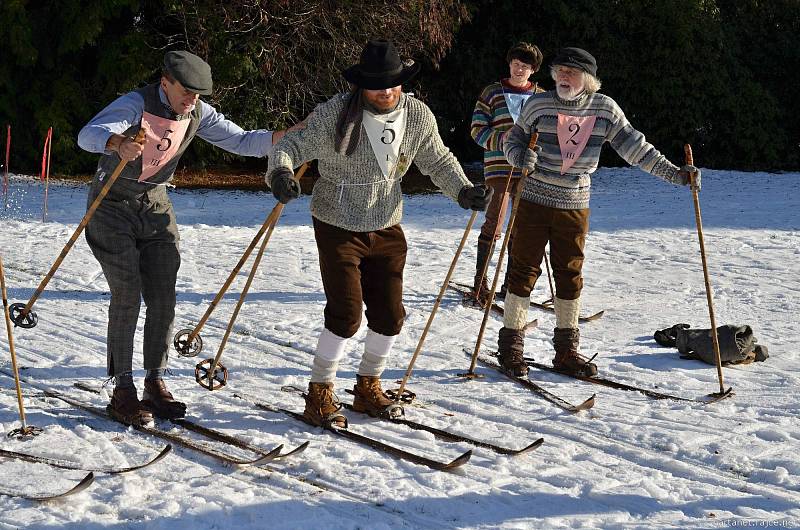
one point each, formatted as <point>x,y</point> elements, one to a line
<point>575,129</point>
<point>386,132</point>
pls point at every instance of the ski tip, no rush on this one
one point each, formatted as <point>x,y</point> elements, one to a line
<point>79,487</point>
<point>459,461</point>
<point>299,449</point>
<point>164,452</point>
<point>535,445</point>
<point>272,455</point>
<point>586,405</point>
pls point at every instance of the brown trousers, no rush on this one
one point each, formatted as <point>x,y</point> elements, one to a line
<point>362,268</point>
<point>489,230</point>
<point>566,231</point>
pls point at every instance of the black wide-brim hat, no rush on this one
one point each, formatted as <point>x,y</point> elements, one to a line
<point>380,67</point>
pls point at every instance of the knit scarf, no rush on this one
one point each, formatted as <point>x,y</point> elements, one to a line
<point>348,125</point>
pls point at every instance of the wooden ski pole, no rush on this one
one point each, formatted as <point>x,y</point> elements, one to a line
<point>709,296</point>
<point>398,395</point>
<point>25,429</point>
<point>188,342</point>
<point>209,374</point>
<point>22,316</point>
<point>470,374</point>
<point>500,220</point>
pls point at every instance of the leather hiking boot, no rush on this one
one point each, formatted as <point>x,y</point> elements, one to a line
<point>510,351</point>
<point>567,359</point>
<point>369,397</point>
<point>126,408</point>
<point>322,406</point>
<point>159,400</point>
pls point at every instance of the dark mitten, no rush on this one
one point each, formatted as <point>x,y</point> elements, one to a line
<point>475,197</point>
<point>284,186</point>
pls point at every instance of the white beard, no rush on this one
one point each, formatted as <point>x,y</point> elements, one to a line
<point>568,94</point>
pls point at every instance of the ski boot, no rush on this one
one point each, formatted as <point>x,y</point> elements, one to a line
<point>567,359</point>
<point>159,400</point>
<point>126,408</point>
<point>369,397</point>
<point>322,406</point>
<point>510,351</point>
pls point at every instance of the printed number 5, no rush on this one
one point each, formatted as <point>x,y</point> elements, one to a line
<point>387,131</point>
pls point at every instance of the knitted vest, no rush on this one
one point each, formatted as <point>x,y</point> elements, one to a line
<point>127,183</point>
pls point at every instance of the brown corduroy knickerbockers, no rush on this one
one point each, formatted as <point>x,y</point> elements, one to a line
<point>362,268</point>
<point>566,231</point>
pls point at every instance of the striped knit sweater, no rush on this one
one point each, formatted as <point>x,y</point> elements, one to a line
<point>352,192</point>
<point>490,120</point>
<point>570,191</point>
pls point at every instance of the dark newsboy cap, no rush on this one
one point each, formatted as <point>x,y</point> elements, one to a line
<point>576,58</point>
<point>190,70</point>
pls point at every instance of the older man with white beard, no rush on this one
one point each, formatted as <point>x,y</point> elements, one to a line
<point>573,122</point>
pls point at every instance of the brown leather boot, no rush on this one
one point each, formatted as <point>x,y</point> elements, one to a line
<point>510,351</point>
<point>369,397</point>
<point>322,406</point>
<point>126,408</point>
<point>567,359</point>
<point>159,400</point>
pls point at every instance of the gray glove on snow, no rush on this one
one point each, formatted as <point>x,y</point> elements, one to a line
<point>284,186</point>
<point>684,176</point>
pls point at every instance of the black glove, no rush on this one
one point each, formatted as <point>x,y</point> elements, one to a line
<point>284,186</point>
<point>684,174</point>
<point>475,197</point>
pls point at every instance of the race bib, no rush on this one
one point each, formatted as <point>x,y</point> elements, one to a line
<point>385,133</point>
<point>164,137</point>
<point>573,134</point>
<point>514,102</point>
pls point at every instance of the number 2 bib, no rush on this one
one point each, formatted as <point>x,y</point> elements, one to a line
<point>385,133</point>
<point>573,134</point>
<point>164,137</point>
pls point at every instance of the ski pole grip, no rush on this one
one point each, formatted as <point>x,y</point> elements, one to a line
<point>534,139</point>
<point>687,150</point>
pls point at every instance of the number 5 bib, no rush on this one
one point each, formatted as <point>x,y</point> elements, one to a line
<point>385,133</point>
<point>573,134</point>
<point>164,137</point>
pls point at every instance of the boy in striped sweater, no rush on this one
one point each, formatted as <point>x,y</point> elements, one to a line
<point>573,122</point>
<point>496,110</point>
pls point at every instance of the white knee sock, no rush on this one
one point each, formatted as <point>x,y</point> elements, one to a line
<point>515,311</point>
<point>567,312</point>
<point>330,350</point>
<point>376,352</point>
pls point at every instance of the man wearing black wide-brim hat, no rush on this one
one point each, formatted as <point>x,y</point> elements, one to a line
<point>133,232</point>
<point>365,141</point>
<point>573,122</point>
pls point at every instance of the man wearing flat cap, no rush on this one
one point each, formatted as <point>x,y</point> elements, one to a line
<point>573,122</point>
<point>133,233</point>
<point>364,142</point>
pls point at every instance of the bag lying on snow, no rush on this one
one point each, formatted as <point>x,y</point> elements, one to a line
<point>737,345</point>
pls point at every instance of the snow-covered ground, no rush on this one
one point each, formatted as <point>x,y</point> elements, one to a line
<point>630,462</point>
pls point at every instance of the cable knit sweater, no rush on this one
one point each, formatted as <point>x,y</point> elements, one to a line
<point>352,192</point>
<point>570,191</point>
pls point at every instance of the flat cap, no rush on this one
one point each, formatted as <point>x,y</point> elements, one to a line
<point>576,58</point>
<point>190,70</point>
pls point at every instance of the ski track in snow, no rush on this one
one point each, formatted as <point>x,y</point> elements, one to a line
<point>630,462</point>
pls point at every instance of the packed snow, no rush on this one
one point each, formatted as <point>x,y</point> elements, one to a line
<point>630,462</point>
